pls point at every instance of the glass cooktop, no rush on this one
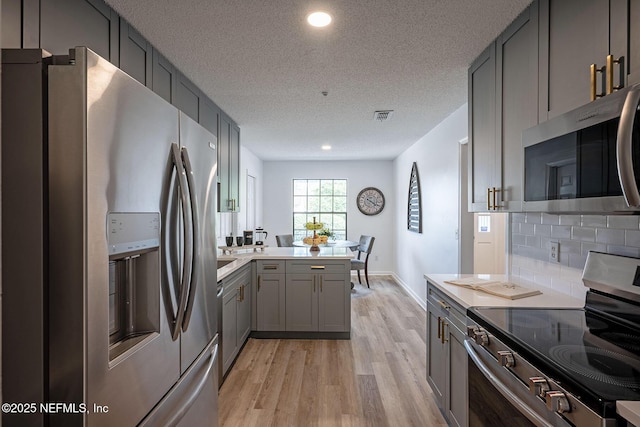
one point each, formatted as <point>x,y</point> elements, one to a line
<point>596,357</point>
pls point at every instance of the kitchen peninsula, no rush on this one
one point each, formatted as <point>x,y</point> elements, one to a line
<point>283,293</point>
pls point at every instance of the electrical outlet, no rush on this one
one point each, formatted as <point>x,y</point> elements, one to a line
<point>554,252</point>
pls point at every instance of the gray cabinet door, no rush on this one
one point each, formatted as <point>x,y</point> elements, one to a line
<point>569,43</point>
<point>224,147</point>
<point>457,378</point>
<point>244,313</point>
<point>135,54</point>
<point>163,77</point>
<point>65,24</point>
<point>302,302</point>
<point>270,302</point>
<point>234,166</point>
<point>485,155</point>
<point>334,308</point>
<point>517,93</point>
<point>210,117</point>
<point>229,328</point>
<point>188,97</point>
<point>436,355</point>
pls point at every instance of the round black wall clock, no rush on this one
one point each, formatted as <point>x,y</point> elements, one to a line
<point>370,201</point>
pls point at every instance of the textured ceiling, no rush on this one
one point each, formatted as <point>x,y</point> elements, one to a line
<point>266,68</point>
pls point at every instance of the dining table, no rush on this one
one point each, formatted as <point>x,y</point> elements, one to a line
<point>332,243</point>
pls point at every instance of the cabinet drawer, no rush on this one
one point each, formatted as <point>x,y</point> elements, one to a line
<point>320,266</point>
<point>269,266</point>
<point>236,279</point>
<point>450,309</point>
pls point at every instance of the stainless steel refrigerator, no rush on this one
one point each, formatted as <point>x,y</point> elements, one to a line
<point>108,249</point>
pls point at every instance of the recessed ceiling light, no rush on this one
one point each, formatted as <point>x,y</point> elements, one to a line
<point>319,19</point>
<point>326,147</point>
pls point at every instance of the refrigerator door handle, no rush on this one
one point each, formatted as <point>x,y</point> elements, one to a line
<point>178,414</point>
<point>188,239</point>
<point>195,229</point>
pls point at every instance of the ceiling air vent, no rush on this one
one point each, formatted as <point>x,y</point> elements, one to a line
<point>382,115</point>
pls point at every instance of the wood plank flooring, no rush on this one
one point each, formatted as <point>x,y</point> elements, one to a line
<point>377,378</point>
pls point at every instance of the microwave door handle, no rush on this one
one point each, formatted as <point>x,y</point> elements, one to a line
<point>503,389</point>
<point>195,235</point>
<point>188,246</point>
<point>624,149</point>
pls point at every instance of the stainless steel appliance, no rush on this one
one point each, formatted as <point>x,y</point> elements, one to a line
<point>587,160</point>
<point>560,367</point>
<point>248,237</point>
<point>117,207</point>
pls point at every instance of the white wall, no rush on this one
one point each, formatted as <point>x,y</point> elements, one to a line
<point>436,249</point>
<point>278,199</point>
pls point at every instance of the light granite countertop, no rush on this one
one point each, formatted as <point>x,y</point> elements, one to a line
<point>243,257</point>
<point>472,298</point>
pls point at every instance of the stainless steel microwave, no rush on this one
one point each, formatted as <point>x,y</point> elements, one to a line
<point>586,160</point>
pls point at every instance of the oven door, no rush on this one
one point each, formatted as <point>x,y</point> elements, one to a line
<point>497,397</point>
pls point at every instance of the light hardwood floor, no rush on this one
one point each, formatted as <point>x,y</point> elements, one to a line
<point>377,378</point>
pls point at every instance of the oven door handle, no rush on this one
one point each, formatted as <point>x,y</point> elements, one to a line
<point>504,391</point>
<point>624,149</point>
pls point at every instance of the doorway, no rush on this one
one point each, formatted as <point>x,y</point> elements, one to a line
<point>489,243</point>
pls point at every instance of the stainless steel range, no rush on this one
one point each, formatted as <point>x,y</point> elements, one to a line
<point>560,367</point>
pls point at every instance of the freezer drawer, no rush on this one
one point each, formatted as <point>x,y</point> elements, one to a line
<point>193,401</point>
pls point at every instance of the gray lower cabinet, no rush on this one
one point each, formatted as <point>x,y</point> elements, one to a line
<point>446,356</point>
<point>270,295</point>
<point>318,296</point>
<point>236,314</point>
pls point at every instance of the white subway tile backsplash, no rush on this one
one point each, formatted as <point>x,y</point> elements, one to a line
<point>569,219</point>
<point>594,221</point>
<point>610,236</point>
<point>632,238</point>
<point>584,234</point>
<point>532,233</point>
<point>561,231</point>
<point>627,222</point>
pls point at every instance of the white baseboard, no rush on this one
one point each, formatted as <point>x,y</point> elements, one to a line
<point>395,277</point>
<point>410,291</point>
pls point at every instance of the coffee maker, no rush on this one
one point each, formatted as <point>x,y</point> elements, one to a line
<point>261,236</point>
<point>248,237</point>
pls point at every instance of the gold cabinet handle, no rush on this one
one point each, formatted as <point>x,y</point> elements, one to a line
<point>488,198</point>
<point>270,267</point>
<point>439,321</point>
<point>444,305</point>
<point>314,284</point>
<point>495,204</point>
<point>444,337</point>
<point>242,292</point>
<point>258,283</point>
<point>594,81</point>
<point>317,267</point>
<point>320,283</point>
<point>609,67</point>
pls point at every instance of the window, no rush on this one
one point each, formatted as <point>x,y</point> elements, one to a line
<point>326,199</point>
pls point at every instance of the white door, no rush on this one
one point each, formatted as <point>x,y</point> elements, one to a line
<point>489,246</point>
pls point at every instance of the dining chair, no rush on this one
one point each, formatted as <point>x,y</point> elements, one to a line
<point>284,240</point>
<point>365,245</point>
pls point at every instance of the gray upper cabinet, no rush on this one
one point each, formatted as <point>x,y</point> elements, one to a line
<point>503,95</point>
<point>163,77</point>
<point>188,97</point>
<point>571,42</point>
<point>210,116</point>
<point>516,96</point>
<point>68,23</point>
<point>229,165</point>
<point>136,56</point>
<point>485,157</point>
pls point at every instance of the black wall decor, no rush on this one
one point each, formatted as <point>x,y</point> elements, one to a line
<point>414,211</point>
